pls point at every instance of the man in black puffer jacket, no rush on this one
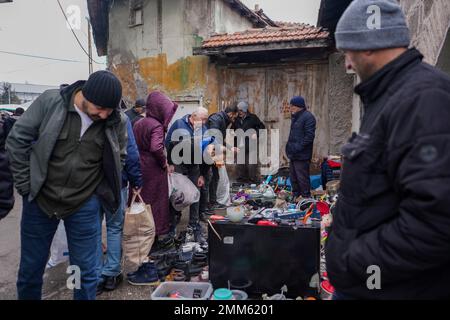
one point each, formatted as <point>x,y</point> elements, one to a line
<point>299,147</point>
<point>6,180</point>
<point>391,229</point>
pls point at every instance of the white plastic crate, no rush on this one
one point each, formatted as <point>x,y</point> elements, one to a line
<point>186,290</point>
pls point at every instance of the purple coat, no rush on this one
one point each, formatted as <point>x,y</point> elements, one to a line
<point>149,133</point>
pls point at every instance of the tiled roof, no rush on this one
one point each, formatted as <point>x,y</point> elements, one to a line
<point>299,32</point>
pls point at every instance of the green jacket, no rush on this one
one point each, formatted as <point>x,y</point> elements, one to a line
<point>32,140</point>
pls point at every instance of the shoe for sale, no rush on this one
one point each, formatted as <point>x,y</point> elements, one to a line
<point>218,206</point>
<point>181,239</point>
<point>162,245</point>
<point>163,269</point>
<point>112,283</point>
<point>190,235</point>
<point>200,259</point>
<point>199,237</point>
<point>146,276</point>
<point>184,266</point>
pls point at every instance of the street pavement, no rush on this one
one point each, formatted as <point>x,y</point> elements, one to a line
<point>55,278</point>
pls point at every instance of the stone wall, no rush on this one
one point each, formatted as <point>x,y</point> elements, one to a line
<point>429,21</point>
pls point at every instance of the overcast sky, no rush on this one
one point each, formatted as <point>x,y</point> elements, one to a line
<point>38,28</point>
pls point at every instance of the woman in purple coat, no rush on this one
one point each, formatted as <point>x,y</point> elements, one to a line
<point>150,133</point>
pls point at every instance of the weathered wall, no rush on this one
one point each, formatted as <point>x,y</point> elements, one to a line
<point>227,20</point>
<point>340,97</point>
<point>269,90</point>
<point>158,53</point>
<point>444,58</point>
<point>428,21</point>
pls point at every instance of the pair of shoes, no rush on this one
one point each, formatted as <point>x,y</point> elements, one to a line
<point>112,283</point>
<point>218,206</point>
<point>190,236</point>
<point>184,266</point>
<point>200,259</point>
<point>176,275</point>
<point>147,275</point>
<point>163,245</point>
<point>199,236</point>
<point>163,268</point>
<point>180,239</point>
<point>198,263</point>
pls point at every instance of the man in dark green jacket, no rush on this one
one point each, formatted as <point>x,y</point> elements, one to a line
<point>66,154</point>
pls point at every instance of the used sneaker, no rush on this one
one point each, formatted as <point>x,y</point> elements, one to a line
<point>190,235</point>
<point>163,245</point>
<point>199,237</point>
<point>146,276</point>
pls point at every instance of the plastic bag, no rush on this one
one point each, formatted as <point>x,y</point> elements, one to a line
<point>182,192</point>
<point>223,187</point>
<point>59,251</point>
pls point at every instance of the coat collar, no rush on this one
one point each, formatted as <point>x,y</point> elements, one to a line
<point>371,89</point>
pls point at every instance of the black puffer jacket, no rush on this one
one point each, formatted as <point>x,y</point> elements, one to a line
<point>6,180</point>
<point>219,121</point>
<point>301,138</point>
<point>394,205</point>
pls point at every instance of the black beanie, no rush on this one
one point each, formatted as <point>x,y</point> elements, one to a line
<point>103,89</point>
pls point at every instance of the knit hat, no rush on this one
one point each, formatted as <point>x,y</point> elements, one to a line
<point>140,103</point>
<point>372,25</point>
<point>298,101</point>
<point>103,89</point>
<point>243,106</point>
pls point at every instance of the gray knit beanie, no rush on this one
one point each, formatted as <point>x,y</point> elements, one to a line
<point>372,25</point>
<point>243,106</point>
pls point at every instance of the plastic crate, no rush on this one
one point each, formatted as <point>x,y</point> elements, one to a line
<point>186,290</point>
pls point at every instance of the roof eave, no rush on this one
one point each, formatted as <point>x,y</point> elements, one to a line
<point>263,47</point>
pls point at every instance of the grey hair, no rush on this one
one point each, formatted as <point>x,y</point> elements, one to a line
<point>200,111</point>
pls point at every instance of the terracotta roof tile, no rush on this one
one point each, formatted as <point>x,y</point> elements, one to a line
<point>298,32</point>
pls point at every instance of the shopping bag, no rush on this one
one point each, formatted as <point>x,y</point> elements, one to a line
<point>183,192</point>
<point>138,232</point>
<point>59,251</point>
<point>223,187</point>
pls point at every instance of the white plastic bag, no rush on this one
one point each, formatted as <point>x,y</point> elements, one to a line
<point>182,192</point>
<point>59,251</point>
<point>223,187</point>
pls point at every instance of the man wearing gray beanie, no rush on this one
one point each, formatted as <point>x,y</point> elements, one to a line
<point>391,229</point>
<point>66,153</point>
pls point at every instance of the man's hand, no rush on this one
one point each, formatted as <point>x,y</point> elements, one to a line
<point>254,136</point>
<point>137,190</point>
<point>201,182</point>
<point>170,169</point>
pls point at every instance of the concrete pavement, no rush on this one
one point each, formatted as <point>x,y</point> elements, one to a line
<point>54,278</point>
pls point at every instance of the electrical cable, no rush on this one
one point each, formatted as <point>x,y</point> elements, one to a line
<point>75,35</point>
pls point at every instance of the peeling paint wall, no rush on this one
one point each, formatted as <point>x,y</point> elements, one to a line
<point>269,90</point>
<point>159,53</point>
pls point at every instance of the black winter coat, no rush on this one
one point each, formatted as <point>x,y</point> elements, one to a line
<point>6,180</point>
<point>393,210</point>
<point>301,138</point>
<point>251,121</point>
